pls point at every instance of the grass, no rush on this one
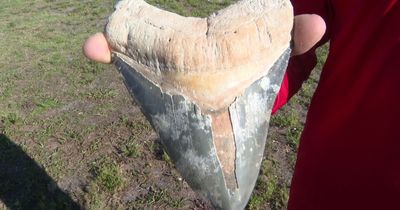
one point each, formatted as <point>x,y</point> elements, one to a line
<point>197,8</point>
<point>11,118</point>
<point>158,197</point>
<point>45,104</point>
<point>75,123</point>
<point>131,149</point>
<point>107,174</point>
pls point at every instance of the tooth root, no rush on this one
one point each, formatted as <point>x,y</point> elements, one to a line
<point>242,42</point>
<point>225,145</point>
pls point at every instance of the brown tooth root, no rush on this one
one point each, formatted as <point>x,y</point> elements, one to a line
<point>210,60</point>
<point>225,145</point>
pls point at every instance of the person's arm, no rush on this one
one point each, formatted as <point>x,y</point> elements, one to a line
<point>298,70</point>
<point>304,59</point>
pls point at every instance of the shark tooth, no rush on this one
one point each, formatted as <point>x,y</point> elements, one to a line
<point>207,86</point>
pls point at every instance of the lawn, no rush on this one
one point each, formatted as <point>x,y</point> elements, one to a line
<point>72,137</point>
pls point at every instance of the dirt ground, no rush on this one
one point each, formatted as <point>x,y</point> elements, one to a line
<point>71,137</point>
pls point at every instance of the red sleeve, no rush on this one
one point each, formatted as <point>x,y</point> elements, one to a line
<point>300,67</point>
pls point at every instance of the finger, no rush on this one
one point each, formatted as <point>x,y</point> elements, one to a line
<point>97,49</point>
<point>308,30</point>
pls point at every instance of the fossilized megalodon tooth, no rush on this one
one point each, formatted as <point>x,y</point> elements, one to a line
<point>207,86</point>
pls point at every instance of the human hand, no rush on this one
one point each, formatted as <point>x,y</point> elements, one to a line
<point>308,30</point>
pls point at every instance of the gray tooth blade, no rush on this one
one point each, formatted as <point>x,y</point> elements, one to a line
<point>223,172</point>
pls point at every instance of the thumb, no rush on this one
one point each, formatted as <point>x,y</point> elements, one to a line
<point>96,48</point>
<point>308,30</point>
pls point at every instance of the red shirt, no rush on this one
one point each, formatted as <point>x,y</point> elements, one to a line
<point>349,153</point>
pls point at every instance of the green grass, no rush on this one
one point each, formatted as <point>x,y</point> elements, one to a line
<point>11,118</point>
<point>271,190</point>
<point>45,104</point>
<point>197,8</point>
<point>95,198</point>
<point>131,149</point>
<point>158,197</point>
<point>107,174</point>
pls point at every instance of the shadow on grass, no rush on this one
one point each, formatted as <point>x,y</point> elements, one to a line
<point>25,185</point>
